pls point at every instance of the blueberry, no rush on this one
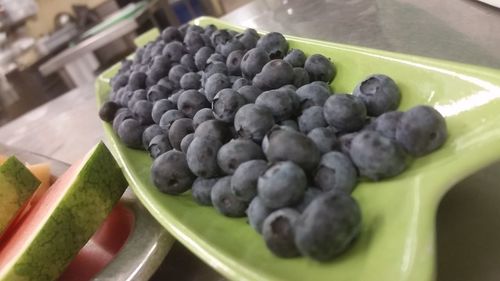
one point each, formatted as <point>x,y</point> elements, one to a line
<point>169,117</point>
<point>240,82</point>
<point>336,172</point>
<point>108,110</point>
<point>324,138</point>
<point>387,123</point>
<point>144,68</point>
<point>154,74</point>
<point>126,97</point>
<point>257,212</point>
<point>282,185</point>
<point>130,132</point>
<point>170,34</point>
<point>311,118</point>
<point>149,133</point>
<point>253,61</point>
<point>201,57</point>
<point>279,233</point>
<point>194,28</point>
<point>233,62</point>
<point>328,226</point>
<point>206,40</point>
<point>201,116</point>
<point>309,195</point>
<point>157,92</point>
<point>119,81</point>
<point>113,96</point>
<point>235,152</point>
<point>159,145</point>
<point>312,94</point>
<point>120,117</point>
<point>190,80</point>
<point>379,93</point>
<point>214,129</point>
<point>376,156</point>
<point>290,90</point>
<point>274,44</point>
<point>179,129</point>
<point>280,103</point>
<point>183,29</point>
<point>320,68</point>
<point>186,141</point>
<point>244,180</point>
<point>202,156</point>
<point>345,112</point>
<point>345,141</point>
<point>224,201</point>
<point>161,61</point>
<point>126,64</point>
<point>421,130</point>
<point>253,121</point>
<point>248,38</point>
<point>300,77</point>
<point>176,72</point>
<point>202,189</point>
<point>209,29</point>
<point>175,97</point>
<point>231,46</point>
<point>226,103</point>
<point>137,80</point>
<point>215,67</point>
<point>174,51</point>
<point>142,112</point>
<point>215,57</point>
<point>322,84</point>
<point>274,74</point>
<point>295,57</point>
<point>170,173</point>
<point>157,50</point>
<point>191,101</point>
<point>214,84</point>
<point>249,92</point>
<point>193,42</point>
<point>187,61</point>
<point>289,145</point>
<point>220,36</point>
<point>292,124</point>
<point>169,85</point>
<point>160,107</point>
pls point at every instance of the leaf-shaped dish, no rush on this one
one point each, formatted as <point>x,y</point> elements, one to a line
<point>398,233</point>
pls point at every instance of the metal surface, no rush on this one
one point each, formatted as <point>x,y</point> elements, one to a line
<point>458,30</point>
<point>88,45</point>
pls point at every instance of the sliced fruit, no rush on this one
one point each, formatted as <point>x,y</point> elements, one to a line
<point>63,220</point>
<point>42,173</point>
<point>17,184</point>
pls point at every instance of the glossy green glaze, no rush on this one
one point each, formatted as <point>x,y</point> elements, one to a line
<point>398,234</point>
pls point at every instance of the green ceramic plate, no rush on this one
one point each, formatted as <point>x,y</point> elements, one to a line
<point>398,234</point>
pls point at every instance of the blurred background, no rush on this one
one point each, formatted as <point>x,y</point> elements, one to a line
<point>48,47</point>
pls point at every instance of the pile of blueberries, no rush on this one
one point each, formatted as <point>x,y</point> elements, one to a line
<point>254,129</point>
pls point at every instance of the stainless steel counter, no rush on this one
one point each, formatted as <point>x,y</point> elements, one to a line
<point>459,30</point>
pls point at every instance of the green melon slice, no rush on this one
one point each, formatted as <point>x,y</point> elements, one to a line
<point>64,219</point>
<point>17,184</point>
